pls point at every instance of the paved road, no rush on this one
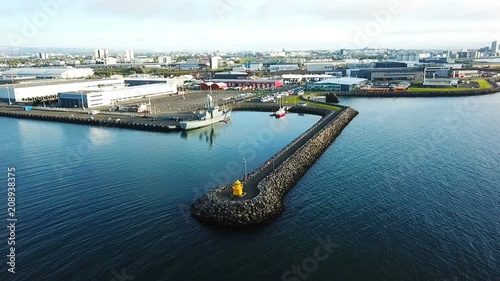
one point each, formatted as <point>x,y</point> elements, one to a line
<point>181,103</point>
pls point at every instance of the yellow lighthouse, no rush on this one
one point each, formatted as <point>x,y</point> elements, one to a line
<point>238,189</point>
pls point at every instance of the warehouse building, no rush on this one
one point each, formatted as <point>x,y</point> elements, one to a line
<point>283,67</point>
<point>390,64</point>
<point>250,83</point>
<point>107,97</point>
<point>297,78</point>
<point>382,74</point>
<point>231,75</point>
<point>141,81</point>
<point>213,86</point>
<point>254,66</point>
<point>465,73</point>
<point>48,73</point>
<point>337,84</point>
<point>323,66</point>
<point>49,89</point>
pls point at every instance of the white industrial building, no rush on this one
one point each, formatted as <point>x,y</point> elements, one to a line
<point>38,89</point>
<point>49,73</point>
<point>108,97</point>
<point>297,78</point>
<point>323,66</point>
<point>255,66</point>
<point>283,67</point>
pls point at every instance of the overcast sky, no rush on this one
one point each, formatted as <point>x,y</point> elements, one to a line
<point>166,25</point>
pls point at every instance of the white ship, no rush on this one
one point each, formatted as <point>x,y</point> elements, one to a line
<point>206,117</point>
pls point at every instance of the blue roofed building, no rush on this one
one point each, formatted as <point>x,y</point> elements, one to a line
<point>344,84</point>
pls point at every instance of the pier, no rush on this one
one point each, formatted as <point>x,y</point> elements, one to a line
<point>266,186</point>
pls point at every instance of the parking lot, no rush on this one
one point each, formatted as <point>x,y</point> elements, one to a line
<point>186,103</point>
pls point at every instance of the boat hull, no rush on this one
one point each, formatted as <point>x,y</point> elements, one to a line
<point>195,124</point>
<point>280,113</point>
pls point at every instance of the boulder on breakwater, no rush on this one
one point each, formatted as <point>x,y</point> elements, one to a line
<point>268,204</point>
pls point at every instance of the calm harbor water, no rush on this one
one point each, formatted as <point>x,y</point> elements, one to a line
<point>410,191</point>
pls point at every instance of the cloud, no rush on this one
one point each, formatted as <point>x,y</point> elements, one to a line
<point>320,24</point>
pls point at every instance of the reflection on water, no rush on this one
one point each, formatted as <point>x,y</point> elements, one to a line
<point>206,134</point>
<point>99,136</point>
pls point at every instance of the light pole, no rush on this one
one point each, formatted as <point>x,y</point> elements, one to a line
<point>8,94</point>
<point>150,108</point>
<point>245,161</point>
<point>81,95</point>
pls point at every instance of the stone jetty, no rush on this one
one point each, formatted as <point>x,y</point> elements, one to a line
<point>301,154</point>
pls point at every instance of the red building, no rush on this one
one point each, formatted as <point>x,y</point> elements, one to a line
<point>213,86</point>
<point>250,83</point>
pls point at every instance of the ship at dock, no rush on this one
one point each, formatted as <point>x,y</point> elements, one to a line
<point>205,117</point>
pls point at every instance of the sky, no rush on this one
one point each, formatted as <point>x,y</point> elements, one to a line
<point>235,25</point>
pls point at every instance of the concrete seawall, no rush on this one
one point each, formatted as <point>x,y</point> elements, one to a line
<point>268,204</point>
<point>87,121</point>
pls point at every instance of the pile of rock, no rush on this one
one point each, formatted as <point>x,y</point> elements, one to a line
<point>269,203</point>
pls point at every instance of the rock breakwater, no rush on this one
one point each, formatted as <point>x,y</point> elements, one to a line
<point>268,204</point>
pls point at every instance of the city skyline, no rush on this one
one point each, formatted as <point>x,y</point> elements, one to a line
<point>235,25</point>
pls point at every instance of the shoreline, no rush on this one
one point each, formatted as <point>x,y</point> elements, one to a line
<point>429,94</point>
<point>141,124</point>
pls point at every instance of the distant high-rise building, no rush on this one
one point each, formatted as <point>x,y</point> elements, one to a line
<point>407,57</point>
<point>165,60</point>
<point>43,56</point>
<point>129,55</point>
<point>494,47</point>
<point>476,54</point>
<point>101,53</point>
<point>214,62</point>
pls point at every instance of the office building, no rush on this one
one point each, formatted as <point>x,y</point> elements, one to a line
<point>494,47</point>
<point>214,62</point>
<point>129,55</point>
<point>390,64</point>
<point>43,56</point>
<point>101,53</point>
<point>165,60</point>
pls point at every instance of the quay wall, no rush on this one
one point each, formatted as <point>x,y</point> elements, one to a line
<point>86,121</point>
<point>268,204</point>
